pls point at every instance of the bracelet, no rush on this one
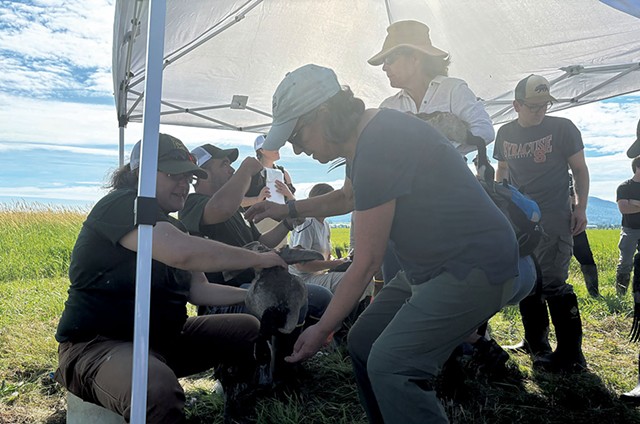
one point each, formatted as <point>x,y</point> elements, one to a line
<point>293,212</point>
<point>287,224</point>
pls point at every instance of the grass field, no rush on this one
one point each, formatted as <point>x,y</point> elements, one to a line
<point>33,265</point>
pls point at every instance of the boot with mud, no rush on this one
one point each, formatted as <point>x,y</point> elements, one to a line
<point>622,282</point>
<point>590,274</point>
<point>566,320</point>
<point>535,321</point>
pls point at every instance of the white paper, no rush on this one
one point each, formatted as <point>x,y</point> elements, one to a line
<point>272,176</point>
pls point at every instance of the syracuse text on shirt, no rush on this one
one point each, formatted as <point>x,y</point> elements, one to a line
<point>537,149</point>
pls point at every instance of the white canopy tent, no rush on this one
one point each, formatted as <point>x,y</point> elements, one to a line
<point>221,61</point>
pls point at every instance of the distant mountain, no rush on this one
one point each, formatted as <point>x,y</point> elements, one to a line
<point>600,213</point>
<point>603,213</point>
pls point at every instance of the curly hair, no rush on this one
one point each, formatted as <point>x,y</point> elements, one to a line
<point>344,111</point>
<point>123,177</point>
<point>432,66</point>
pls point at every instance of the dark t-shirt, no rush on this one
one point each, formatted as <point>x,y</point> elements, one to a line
<point>236,231</point>
<point>444,221</point>
<point>629,190</point>
<point>537,158</point>
<point>103,274</point>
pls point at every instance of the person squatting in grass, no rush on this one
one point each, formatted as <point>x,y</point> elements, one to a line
<point>96,328</point>
<point>214,212</point>
<point>535,153</point>
<point>458,251</point>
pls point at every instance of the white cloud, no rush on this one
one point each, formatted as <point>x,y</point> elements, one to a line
<point>50,46</point>
<point>85,193</point>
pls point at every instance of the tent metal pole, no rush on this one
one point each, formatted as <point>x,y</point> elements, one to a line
<point>145,201</point>
<point>120,146</point>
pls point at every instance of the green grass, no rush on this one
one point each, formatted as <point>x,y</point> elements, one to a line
<point>33,283</point>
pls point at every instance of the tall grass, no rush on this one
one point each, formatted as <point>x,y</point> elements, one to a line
<point>34,259</point>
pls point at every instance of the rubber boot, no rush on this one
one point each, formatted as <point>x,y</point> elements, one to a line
<point>633,396</point>
<point>590,273</point>
<point>622,282</point>
<point>566,320</point>
<point>535,321</point>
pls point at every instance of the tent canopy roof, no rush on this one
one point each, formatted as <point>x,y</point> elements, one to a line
<point>224,59</point>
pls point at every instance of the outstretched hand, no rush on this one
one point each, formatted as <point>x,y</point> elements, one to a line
<point>266,209</point>
<point>309,342</point>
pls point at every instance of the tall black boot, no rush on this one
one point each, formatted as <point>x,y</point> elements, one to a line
<point>590,273</point>
<point>566,320</point>
<point>535,321</point>
<point>622,282</point>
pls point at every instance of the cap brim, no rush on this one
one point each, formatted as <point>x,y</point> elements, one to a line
<point>279,134</point>
<point>634,150</point>
<point>232,154</point>
<point>378,59</point>
<point>180,167</point>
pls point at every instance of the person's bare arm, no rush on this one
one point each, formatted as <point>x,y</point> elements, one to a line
<point>372,233</point>
<point>180,250</point>
<point>209,294</point>
<point>250,201</point>
<point>338,202</point>
<point>320,265</point>
<point>580,173</point>
<point>502,173</point>
<point>226,201</point>
<point>274,236</point>
<point>628,206</point>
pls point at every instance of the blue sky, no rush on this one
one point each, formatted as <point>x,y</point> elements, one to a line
<point>56,96</point>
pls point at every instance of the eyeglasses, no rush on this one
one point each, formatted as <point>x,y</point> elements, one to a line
<point>391,58</point>
<point>295,135</point>
<point>304,120</point>
<point>185,176</point>
<point>537,108</point>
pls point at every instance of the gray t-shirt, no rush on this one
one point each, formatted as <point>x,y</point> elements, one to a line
<point>537,158</point>
<point>444,220</point>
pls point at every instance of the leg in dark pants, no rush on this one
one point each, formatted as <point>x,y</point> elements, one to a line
<point>364,332</point>
<point>584,256</point>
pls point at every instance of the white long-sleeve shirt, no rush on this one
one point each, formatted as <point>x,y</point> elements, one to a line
<point>446,94</point>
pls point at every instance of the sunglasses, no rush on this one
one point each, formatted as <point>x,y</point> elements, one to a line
<point>537,108</point>
<point>185,176</point>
